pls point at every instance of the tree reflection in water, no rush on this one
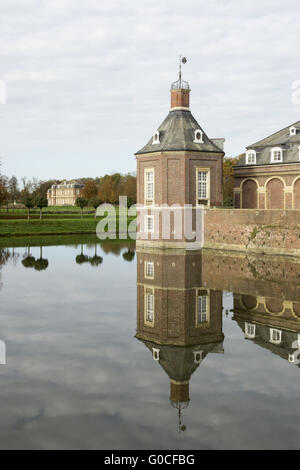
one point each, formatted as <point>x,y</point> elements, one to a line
<point>39,264</point>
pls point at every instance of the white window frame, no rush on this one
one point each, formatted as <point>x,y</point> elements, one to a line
<point>155,138</point>
<point>155,354</point>
<point>197,139</point>
<point>147,218</point>
<point>248,153</point>
<point>207,199</point>
<point>148,171</point>
<point>149,291</point>
<point>275,150</point>
<point>147,265</point>
<point>198,357</point>
<point>207,303</point>
<point>293,130</point>
<point>275,331</point>
<point>250,330</point>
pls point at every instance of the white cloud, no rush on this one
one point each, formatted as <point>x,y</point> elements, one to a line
<point>87,83</point>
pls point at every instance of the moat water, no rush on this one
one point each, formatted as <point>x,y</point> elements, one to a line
<point>112,348</point>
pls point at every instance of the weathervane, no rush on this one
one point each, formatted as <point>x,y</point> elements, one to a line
<point>182,60</point>
<point>180,83</point>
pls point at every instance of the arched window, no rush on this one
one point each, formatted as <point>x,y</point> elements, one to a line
<point>198,136</point>
<point>276,155</point>
<point>250,157</point>
<point>155,138</point>
<point>293,131</point>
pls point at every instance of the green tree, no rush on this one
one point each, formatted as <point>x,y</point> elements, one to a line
<point>129,255</point>
<point>13,189</point>
<point>95,260</point>
<point>41,201</point>
<point>28,202</point>
<point>3,191</point>
<point>228,179</point>
<point>29,260</point>
<point>80,259</point>
<point>81,202</point>
<point>41,264</point>
<point>95,202</point>
<point>89,190</point>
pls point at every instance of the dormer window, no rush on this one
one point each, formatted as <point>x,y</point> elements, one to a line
<point>198,357</point>
<point>155,138</point>
<point>293,131</point>
<point>155,354</point>
<point>198,136</point>
<point>276,155</point>
<point>250,157</point>
<point>275,336</point>
<point>249,330</point>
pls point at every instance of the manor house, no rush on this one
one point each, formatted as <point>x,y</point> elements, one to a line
<point>64,194</point>
<point>268,175</point>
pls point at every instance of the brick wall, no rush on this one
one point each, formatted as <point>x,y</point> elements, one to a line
<point>252,275</point>
<point>176,279</point>
<point>264,231</point>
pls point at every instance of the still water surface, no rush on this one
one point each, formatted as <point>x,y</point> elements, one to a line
<point>108,348</point>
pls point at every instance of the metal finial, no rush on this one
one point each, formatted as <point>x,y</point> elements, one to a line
<point>180,83</point>
<point>179,66</point>
<point>180,405</point>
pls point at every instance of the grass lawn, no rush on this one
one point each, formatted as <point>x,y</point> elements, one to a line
<point>52,212</point>
<point>23,227</point>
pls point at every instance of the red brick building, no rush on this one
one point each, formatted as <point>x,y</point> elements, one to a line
<point>268,176</point>
<point>178,318</point>
<point>180,164</point>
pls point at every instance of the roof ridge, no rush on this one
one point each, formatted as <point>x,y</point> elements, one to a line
<point>274,133</point>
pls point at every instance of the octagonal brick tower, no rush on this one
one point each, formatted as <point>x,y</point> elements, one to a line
<point>179,165</point>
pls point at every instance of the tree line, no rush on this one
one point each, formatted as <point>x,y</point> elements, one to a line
<point>105,189</point>
<point>32,193</point>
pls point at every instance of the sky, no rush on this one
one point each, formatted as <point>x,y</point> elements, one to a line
<point>87,83</point>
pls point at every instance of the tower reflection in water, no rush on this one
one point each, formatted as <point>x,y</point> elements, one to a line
<point>178,319</point>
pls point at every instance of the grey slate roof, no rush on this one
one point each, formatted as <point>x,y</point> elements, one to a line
<point>289,144</point>
<point>262,339</point>
<point>71,184</point>
<point>177,133</point>
<point>178,361</point>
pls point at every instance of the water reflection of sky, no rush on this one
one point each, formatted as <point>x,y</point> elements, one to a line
<point>77,378</point>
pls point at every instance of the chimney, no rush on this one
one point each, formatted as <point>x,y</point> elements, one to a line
<point>179,391</point>
<point>180,90</point>
<point>180,98</point>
